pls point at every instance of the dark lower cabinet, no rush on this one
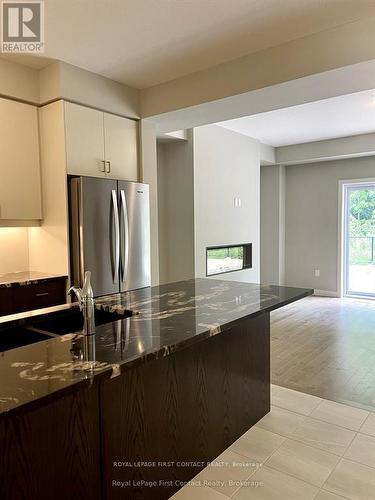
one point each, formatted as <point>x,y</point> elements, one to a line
<point>21,298</point>
<point>6,301</point>
<point>177,413</point>
<point>52,452</point>
<point>48,293</point>
<point>141,435</point>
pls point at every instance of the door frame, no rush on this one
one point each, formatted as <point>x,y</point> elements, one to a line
<point>342,254</point>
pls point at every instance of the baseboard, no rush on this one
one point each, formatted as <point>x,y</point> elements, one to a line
<point>326,293</point>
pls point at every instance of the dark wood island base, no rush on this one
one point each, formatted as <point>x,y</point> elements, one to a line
<point>168,390</point>
<point>174,414</point>
<point>180,412</point>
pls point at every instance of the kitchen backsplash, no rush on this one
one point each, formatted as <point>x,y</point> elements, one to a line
<point>14,249</point>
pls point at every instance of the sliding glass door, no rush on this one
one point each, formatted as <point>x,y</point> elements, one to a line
<point>359,239</point>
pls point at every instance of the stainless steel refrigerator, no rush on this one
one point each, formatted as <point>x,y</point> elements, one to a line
<point>110,234</point>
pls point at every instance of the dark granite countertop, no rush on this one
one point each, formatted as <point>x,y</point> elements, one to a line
<point>8,280</point>
<point>165,319</point>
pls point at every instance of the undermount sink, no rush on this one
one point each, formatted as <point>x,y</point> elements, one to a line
<point>71,321</point>
<point>10,338</point>
<point>59,323</point>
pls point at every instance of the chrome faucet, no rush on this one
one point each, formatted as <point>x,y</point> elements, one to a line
<point>85,297</point>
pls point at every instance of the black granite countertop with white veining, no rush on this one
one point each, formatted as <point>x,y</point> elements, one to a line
<point>165,319</point>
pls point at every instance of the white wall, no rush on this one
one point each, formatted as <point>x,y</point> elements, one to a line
<point>341,148</point>
<point>176,209</point>
<point>267,154</point>
<point>14,249</point>
<point>226,165</point>
<point>149,175</point>
<point>61,80</point>
<point>325,51</point>
<point>19,82</point>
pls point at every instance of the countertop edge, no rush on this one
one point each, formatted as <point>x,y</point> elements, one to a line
<point>16,283</point>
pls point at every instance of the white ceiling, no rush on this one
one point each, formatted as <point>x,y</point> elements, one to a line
<point>146,42</point>
<point>342,116</point>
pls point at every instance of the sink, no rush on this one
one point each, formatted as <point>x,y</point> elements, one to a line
<point>10,338</point>
<point>71,321</point>
<point>59,323</point>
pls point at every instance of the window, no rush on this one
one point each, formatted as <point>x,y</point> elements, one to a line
<point>359,239</point>
<point>225,259</point>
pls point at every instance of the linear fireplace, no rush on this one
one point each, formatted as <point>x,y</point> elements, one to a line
<point>228,258</point>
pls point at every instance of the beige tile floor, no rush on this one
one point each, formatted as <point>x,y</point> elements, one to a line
<point>306,448</point>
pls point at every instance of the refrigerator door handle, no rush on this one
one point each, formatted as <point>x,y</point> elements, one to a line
<point>125,252</point>
<point>117,236</point>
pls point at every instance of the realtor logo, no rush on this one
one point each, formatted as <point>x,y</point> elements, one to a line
<point>22,27</point>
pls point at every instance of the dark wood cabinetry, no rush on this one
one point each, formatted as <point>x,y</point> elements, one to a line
<point>52,452</point>
<point>27,297</point>
<point>183,410</point>
<point>176,412</point>
<point>6,301</point>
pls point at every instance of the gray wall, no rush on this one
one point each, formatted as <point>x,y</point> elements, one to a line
<point>198,180</point>
<point>176,210</point>
<point>312,215</point>
<point>226,165</point>
<point>272,224</point>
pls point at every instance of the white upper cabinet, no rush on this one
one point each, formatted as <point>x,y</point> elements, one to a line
<point>20,187</point>
<point>100,144</point>
<point>120,139</point>
<point>84,137</point>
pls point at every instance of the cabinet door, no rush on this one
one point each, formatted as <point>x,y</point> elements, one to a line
<point>84,140</point>
<point>121,138</point>
<point>6,300</point>
<point>20,188</point>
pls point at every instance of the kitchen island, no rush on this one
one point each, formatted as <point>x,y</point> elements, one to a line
<point>145,404</point>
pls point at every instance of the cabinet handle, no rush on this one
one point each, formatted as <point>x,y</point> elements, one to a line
<point>42,294</point>
<point>103,163</point>
<point>109,167</point>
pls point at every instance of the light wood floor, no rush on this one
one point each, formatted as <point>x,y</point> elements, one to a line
<point>326,347</point>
